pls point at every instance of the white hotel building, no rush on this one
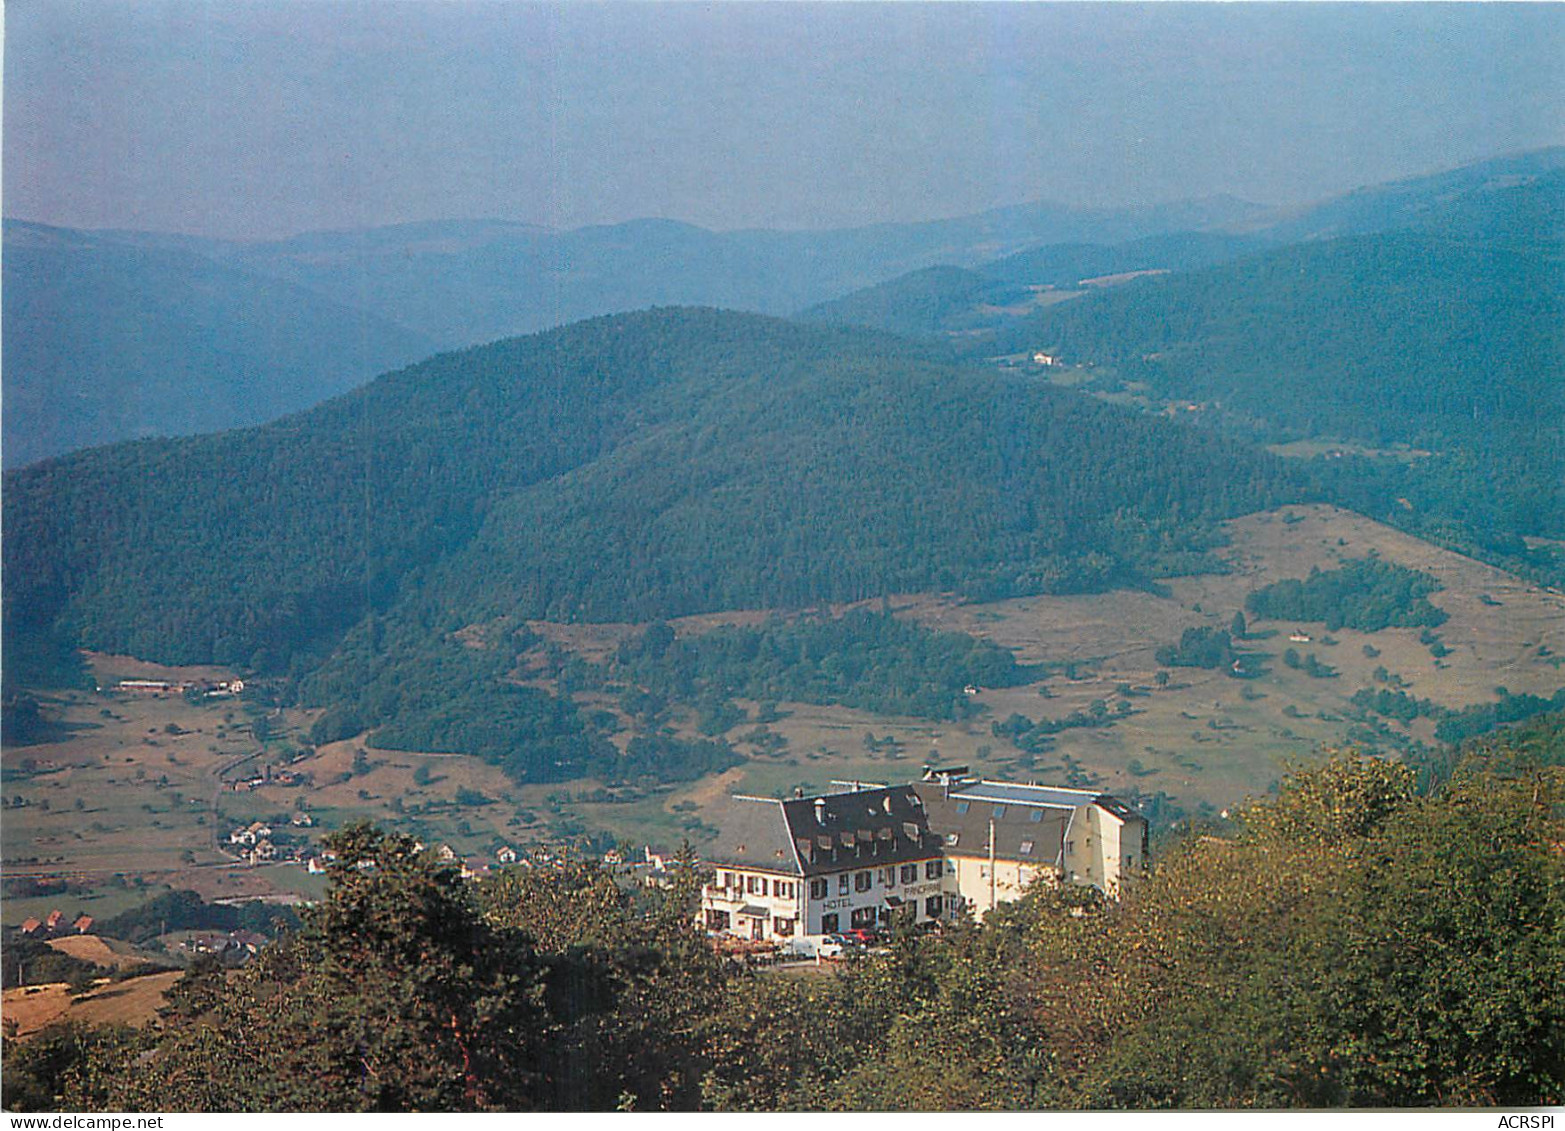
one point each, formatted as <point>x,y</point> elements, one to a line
<point>811,866</point>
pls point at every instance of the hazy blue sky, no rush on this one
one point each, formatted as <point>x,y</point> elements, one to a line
<point>251,119</point>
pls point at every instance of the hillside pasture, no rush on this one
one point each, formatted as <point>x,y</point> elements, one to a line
<point>126,795</point>
<point>132,1002</point>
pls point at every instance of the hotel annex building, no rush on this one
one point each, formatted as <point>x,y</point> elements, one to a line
<point>811,866</point>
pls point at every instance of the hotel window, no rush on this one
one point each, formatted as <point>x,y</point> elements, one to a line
<point>931,869</point>
<point>818,889</point>
<point>783,889</point>
<point>933,906</point>
<point>782,928</point>
<point>910,873</point>
<point>829,924</point>
<point>842,884</point>
<point>888,876</point>
<point>862,881</point>
<point>756,885</point>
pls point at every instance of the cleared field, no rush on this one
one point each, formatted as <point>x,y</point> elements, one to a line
<point>1312,449</point>
<point>132,788</point>
<point>133,1002</point>
<point>1210,739</point>
<point>110,953</point>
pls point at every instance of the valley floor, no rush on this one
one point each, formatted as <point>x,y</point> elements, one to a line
<point>140,790</point>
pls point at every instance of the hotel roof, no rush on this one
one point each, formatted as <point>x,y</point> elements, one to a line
<point>1011,793</point>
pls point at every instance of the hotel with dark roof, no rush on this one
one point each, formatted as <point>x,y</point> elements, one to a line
<point>797,869</point>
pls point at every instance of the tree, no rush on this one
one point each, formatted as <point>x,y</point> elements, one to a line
<point>635,985</point>
<point>396,995</point>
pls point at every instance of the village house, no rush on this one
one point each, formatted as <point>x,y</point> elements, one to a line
<point>864,854</point>
<point>263,852</point>
<point>251,834</point>
<point>152,686</point>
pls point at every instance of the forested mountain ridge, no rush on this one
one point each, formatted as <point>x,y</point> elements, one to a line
<point>150,333</point>
<point>631,466</point>
<point>973,304</point>
<point>1437,342</point>
<point>1513,201</point>
<point>109,340</point>
<point>120,334</point>
<point>463,283</point>
<point>932,301</point>
<point>1427,200</point>
<point>1384,338</point>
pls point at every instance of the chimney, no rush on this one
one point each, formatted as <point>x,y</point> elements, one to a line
<point>798,793</point>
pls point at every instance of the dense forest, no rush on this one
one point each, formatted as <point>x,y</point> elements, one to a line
<point>976,306</point>
<point>1200,647</point>
<point>413,690</point>
<point>160,341</point>
<point>862,659</point>
<point>632,467</point>
<point>1447,344</point>
<point>1365,594</point>
<point>1401,337</point>
<point>1350,943</point>
<point>934,301</point>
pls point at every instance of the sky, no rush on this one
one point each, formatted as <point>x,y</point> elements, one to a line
<point>254,119</point>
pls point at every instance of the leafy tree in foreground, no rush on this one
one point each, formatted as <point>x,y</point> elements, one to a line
<point>1355,945</point>
<point>395,995</point>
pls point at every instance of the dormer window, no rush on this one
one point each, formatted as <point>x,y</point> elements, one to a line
<point>962,807</point>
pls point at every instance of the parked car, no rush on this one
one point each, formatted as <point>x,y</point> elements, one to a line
<point>831,946</point>
<point>863,936</point>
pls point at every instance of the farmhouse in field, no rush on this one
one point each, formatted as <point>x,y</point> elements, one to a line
<point>863,855</point>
